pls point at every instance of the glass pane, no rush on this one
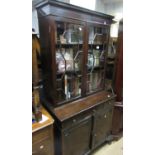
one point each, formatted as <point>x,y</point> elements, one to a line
<point>69,55</point>
<point>96,55</point>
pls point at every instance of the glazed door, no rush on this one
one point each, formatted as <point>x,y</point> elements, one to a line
<point>103,122</point>
<point>69,53</point>
<point>76,140</point>
<point>97,48</point>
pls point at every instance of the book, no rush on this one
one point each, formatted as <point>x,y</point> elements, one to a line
<point>60,61</point>
<point>96,57</point>
<point>78,60</point>
<point>65,84</point>
<point>69,59</point>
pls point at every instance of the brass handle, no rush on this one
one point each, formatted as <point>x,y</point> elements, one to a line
<point>74,120</point>
<point>66,134</point>
<point>34,152</point>
<point>42,146</point>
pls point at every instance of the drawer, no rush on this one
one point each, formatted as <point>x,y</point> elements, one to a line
<point>76,120</point>
<point>42,134</point>
<point>44,147</point>
<point>102,108</point>
<point>108,104</point>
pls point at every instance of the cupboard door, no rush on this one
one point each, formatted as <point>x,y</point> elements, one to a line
<point>103,122</point>
<point>76,140</point>
<point>97,47</point>
<point>69,60</point>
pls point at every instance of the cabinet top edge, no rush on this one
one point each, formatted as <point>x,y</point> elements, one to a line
<point>72,7</point>
<point>76,107</point>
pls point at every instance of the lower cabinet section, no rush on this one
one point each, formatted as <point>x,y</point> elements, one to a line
<point>84,132</point>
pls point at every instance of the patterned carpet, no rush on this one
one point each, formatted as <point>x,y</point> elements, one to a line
<point>115,148</point>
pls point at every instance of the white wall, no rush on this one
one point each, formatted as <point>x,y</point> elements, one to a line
<point>35,21</point>
<point>89,4</point>
<point>112,7</point>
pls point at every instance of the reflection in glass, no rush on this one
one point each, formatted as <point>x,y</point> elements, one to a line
<point>69,55</point>
<point>96,56</point>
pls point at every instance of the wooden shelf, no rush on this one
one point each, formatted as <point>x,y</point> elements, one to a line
<point>110,62</point>
<point>68,45</point>
<point>70,72</point>
<point>96,68</point>
<point>39,125</point>
<point>80,45</point>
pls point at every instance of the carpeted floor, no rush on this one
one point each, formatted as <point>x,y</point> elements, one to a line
<point>115,148</point>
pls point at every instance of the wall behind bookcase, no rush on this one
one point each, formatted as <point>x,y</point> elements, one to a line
<point>112,7</point>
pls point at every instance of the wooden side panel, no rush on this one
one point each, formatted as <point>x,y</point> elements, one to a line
<point>117,125</point>
<point>47,39</point>
<point>119,67</point>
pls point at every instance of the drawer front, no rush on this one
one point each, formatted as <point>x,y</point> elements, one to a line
<point>108,104</point>
<point>43,148</point>
<point>76,120</point>
<point>42,134</point>
<point>104,107</point>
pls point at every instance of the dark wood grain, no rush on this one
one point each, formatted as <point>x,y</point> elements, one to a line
<point>74,8</point>
<point>84,70</point>
<point>117,123</point>
<point>119,65</point>
<point>73,108</point>
<point>117,127</point>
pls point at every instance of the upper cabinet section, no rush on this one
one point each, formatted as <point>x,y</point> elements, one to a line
<point>74,44</point>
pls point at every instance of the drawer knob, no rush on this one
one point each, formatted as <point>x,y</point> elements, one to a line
<point>34,152</point>
<point>94,110</point>
<point>66,134</point>
<point>108,95</point>
<point>42,146</point>
<point>74,120</point>
<point>105,116</point>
